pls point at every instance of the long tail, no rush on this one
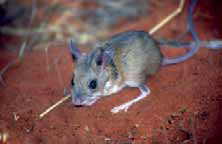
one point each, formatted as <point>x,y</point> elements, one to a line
<point>195,47</point>
<point>210,44</point>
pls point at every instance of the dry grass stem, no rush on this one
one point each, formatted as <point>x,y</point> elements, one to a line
<point>54,106</point>
<point>168,18</point>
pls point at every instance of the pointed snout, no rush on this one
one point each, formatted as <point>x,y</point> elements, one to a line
<point>77,102</point>
<point>79,99</point>
<point>76,99</point>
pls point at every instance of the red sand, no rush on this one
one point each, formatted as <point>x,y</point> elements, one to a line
<point>184,106</point>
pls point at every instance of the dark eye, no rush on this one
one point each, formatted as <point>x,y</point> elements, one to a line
<point>72,82</point>
<point>99,60</point>
<point>93,84</point>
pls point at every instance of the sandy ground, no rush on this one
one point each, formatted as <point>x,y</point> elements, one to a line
<point>183,107</point>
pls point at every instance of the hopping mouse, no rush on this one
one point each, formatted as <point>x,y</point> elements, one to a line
<point>125,60</point>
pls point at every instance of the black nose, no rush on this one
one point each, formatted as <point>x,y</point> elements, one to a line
<point>78,105</point>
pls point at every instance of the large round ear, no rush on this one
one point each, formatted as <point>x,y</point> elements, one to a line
<point>74,50</point>
<point>104,57</point>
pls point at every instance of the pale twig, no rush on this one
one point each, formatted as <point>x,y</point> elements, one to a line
<point>54,106</point>
<point>168,18</point>
<point>16,117</point>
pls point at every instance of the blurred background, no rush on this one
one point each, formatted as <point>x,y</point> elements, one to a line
<point>38,21</point>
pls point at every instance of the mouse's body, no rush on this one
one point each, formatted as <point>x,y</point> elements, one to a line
<point>126,59</point>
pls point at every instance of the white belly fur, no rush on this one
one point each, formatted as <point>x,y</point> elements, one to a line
<point>111,88</point>
<point>131,83</point>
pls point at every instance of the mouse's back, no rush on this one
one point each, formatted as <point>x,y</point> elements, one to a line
<point>136,55</point>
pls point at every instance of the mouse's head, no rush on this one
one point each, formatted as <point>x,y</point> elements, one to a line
<point>89,78</point>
